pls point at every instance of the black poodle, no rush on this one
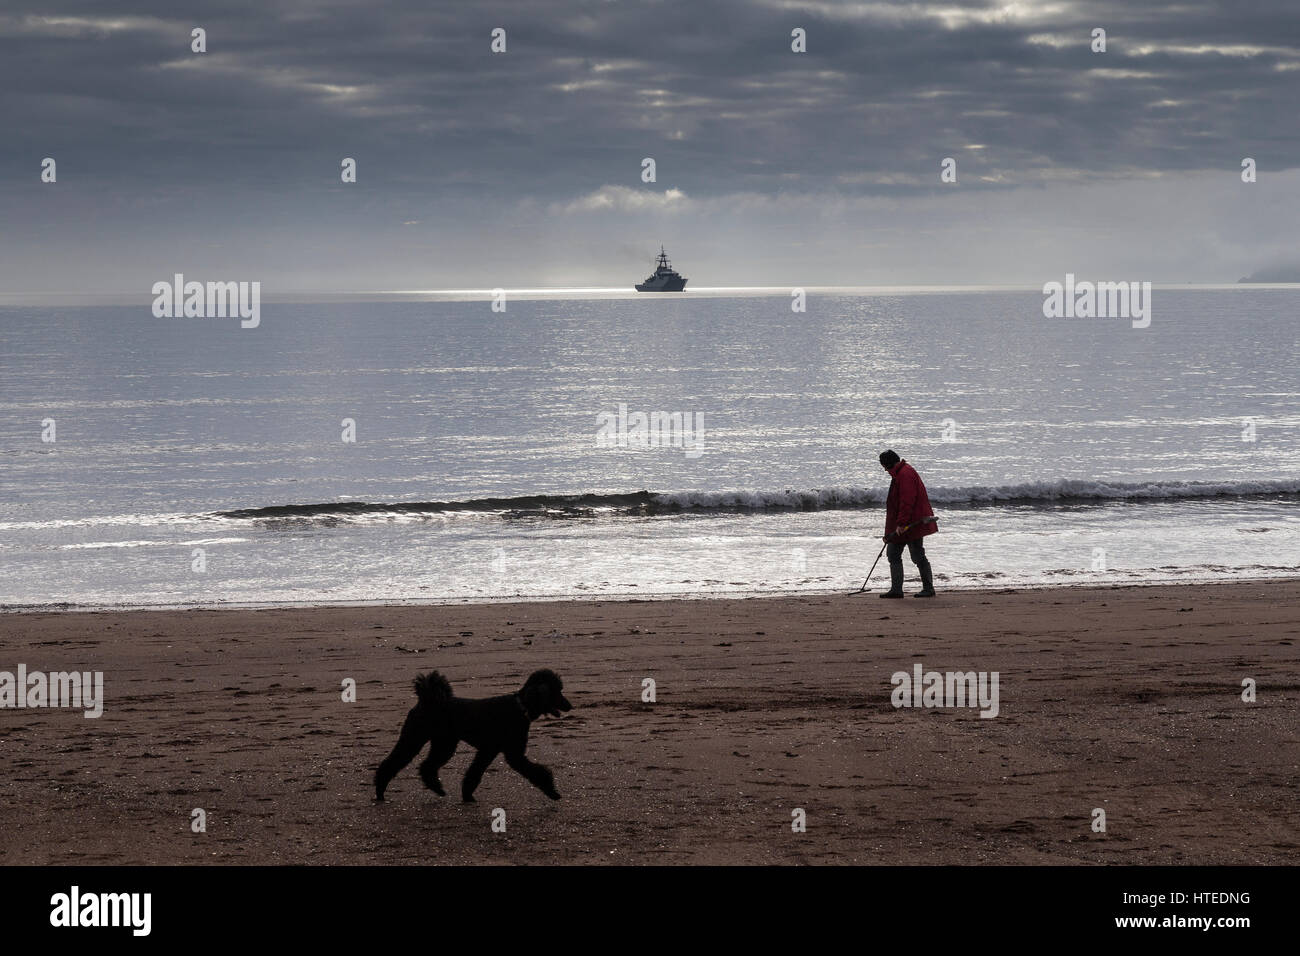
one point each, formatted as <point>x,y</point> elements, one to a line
<point>492,725</point>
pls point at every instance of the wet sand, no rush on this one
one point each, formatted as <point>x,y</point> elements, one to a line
<point>1124,699</point>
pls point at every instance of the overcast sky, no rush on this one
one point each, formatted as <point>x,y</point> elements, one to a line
<point>523,169</point>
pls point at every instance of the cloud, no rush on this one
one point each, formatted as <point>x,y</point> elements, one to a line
<point>68,27</point>
<point>624,199</point>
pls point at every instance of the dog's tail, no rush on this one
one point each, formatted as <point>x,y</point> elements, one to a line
<point>432,689</point>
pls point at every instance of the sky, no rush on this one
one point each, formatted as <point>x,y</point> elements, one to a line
<point>523,169</point>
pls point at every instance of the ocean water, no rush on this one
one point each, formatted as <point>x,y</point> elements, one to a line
<point>198,463</point>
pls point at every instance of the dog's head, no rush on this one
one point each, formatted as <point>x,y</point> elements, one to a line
<point>541,694</point>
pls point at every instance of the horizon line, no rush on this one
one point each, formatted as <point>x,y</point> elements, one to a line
<point>305,295</point>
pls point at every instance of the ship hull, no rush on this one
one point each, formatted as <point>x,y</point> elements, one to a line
<point>667,285</point>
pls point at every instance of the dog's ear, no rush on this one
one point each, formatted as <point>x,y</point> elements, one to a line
<point>536,695</point>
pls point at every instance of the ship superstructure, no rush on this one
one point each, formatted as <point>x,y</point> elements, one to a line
<point>664,278</point>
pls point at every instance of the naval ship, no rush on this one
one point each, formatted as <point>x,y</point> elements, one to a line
<point>663,279</point>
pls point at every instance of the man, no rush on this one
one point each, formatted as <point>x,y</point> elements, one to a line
<point>908,519</point>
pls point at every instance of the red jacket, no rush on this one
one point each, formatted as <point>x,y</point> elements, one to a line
<point>907,504</point>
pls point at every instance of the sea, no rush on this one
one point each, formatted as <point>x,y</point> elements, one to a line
<point>466,447</point>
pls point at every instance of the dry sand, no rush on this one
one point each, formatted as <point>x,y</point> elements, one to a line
<point>1127,699</point>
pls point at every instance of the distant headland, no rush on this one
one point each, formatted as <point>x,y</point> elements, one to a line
<point>1274,274</point>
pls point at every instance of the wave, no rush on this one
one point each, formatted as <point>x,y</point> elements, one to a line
<point>99,545</point>
<point>1045,493</point>
<point>533,505</point>
<point>1041,492</point>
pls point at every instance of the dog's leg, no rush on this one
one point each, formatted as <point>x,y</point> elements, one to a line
<point>475,773</point>
<point>539,775</point>
<point>440,751</point>
<point>408,745</point>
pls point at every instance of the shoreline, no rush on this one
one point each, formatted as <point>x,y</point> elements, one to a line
<point>1121,698</point>
<point>649,597</point>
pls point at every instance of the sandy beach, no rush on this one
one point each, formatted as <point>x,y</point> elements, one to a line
<point>1124,699</point>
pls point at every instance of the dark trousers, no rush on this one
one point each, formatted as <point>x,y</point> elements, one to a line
<point>916,551</point>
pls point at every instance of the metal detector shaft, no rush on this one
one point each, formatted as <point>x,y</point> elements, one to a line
<point>873,566</point>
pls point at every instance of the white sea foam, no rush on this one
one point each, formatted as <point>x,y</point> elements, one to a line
<point>124,520</point>
<point>96,545</point>
<point>1034,491</point>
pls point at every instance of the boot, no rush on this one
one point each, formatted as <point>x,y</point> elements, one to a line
<point>927,582</point>
<point>895,581</point>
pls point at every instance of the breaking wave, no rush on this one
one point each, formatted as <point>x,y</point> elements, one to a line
<point>1045,493</point>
